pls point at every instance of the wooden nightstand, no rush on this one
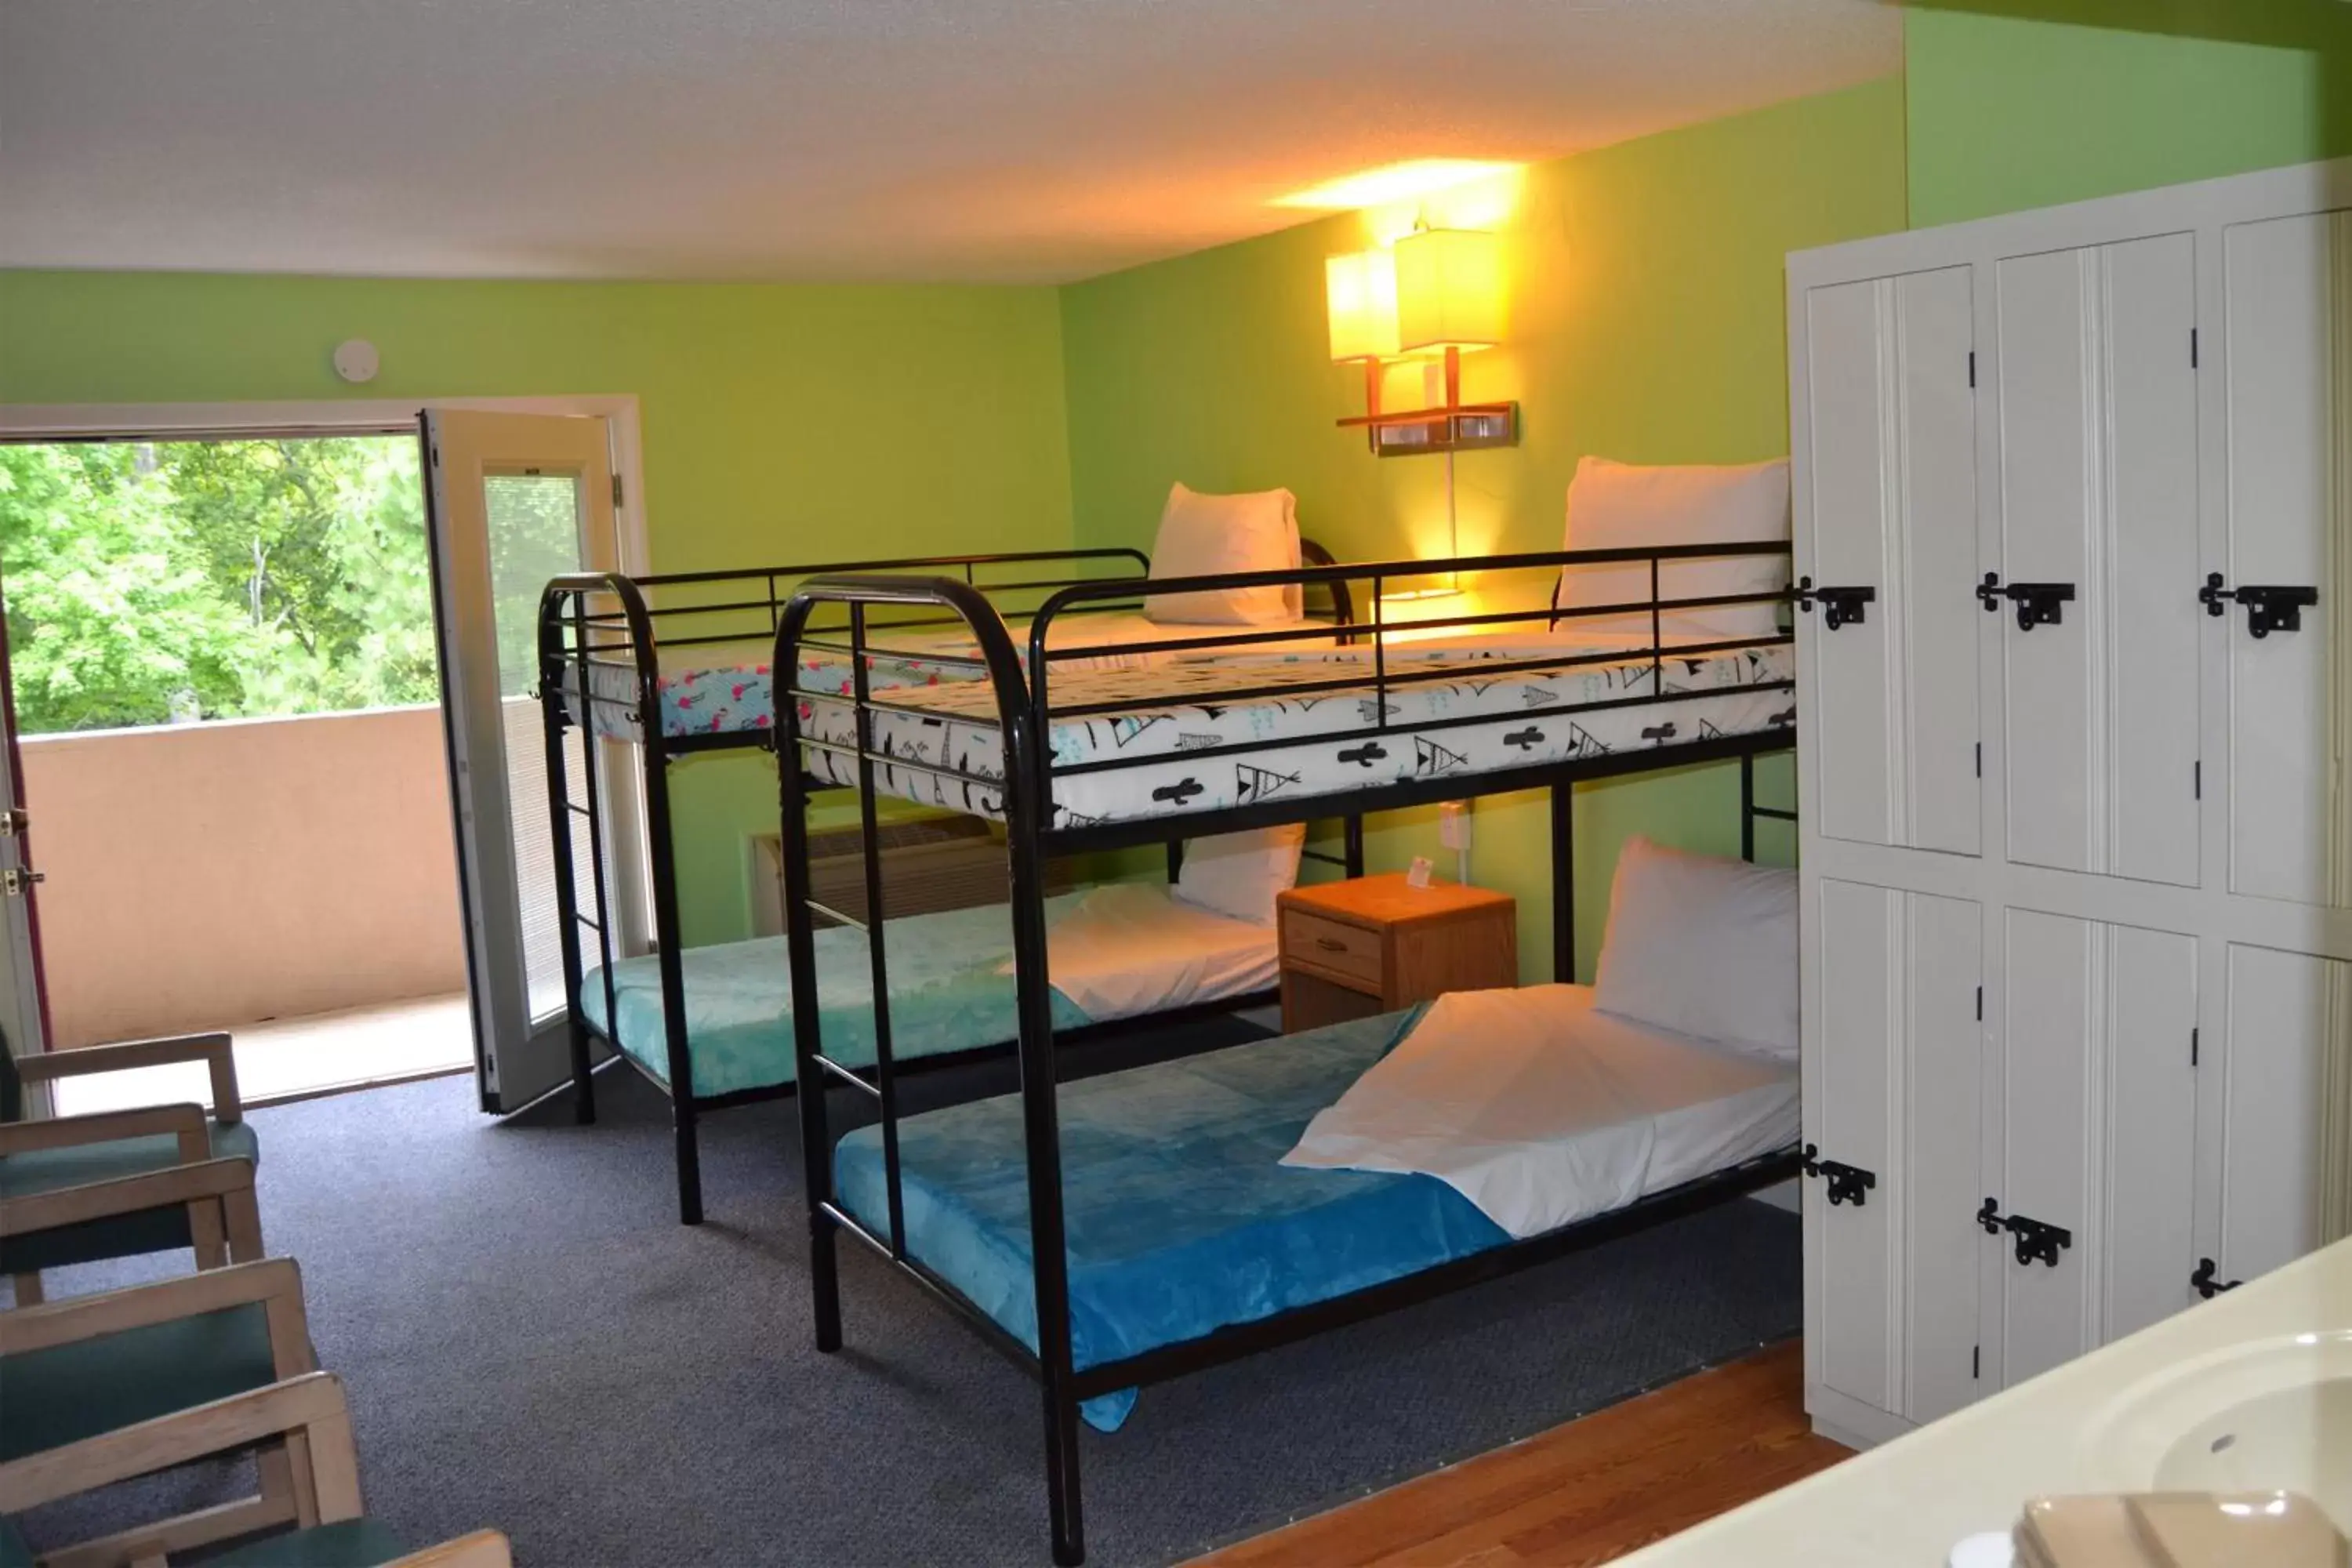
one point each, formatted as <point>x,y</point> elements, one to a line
<point>1376,944</point>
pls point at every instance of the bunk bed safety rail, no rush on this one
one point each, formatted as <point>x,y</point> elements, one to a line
<point>1078,598</point>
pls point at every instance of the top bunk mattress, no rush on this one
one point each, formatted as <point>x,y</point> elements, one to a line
<point>1176,745</point>
<point>1180,1217</point>
<point>721,689</point>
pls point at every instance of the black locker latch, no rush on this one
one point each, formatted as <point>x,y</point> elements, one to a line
<point>1847,1183</point>
<point>2268,609</point>
<point>2204,1283</point>
<point>1839,606</point>
<point>2038,602</point>
<point>2036,1242</point>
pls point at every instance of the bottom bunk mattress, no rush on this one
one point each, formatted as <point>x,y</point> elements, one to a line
<point>1181,1219</point>
<point>1117,951</point>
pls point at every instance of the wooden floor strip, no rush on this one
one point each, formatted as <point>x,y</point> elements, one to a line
<point>1584,1493</point>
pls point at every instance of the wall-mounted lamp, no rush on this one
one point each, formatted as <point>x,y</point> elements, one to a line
<point>1435,290</point>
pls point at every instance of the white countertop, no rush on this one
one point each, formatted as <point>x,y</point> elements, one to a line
<point>1908,1501</point>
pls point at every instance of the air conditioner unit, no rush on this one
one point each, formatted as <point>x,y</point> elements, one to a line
<point>928,864</point>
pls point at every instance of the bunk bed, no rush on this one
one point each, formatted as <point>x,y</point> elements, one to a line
<point>1082,1231</point>
<point>677,666</point>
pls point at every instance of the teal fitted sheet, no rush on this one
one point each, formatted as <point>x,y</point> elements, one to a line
<point>946,995</point>
<point>1179,1217</point>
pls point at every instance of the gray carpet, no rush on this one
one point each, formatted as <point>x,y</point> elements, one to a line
<point>532,1341</point>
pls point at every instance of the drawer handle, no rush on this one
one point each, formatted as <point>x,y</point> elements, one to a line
<point>1327,945</point>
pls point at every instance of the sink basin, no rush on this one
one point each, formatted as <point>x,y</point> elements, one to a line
<point>2267,1415</point>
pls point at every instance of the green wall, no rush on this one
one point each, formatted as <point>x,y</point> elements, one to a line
<point>781,422</point>
<point>2027,103</point>
<point>1646,310</point>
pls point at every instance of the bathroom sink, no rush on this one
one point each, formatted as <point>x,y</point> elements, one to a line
<point>2266,1415</point>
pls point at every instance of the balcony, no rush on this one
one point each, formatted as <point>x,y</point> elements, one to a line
<point>215,875</point>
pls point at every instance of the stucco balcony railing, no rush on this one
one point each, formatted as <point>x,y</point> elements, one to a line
<point>201,875</point>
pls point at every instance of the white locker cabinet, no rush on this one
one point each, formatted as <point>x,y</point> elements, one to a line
<point>2285,1010</point>
<point>1892,482</point>
<point>1898,976</point>
<point>2098,461</point>
<point>2288,285</point>
<point>2088,1030</point>
<point>2094,1193</point>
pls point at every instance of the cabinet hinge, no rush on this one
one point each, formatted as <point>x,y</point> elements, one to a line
<point>2192,348</point>
<point>2197,778</point>
<point>1972,367</point>
<point>2192,1047</point>
<point>616,489</point>
<point>1980,759</point>
<point>1980,1003</point>
<point>1975,1362</point>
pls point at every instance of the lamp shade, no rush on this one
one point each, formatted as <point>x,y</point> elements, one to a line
<point>1449,289</point>
<point>1361,291</point>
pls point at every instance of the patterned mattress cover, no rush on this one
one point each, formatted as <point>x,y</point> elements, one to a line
<point>726,688</point>
<point>1307,744</point>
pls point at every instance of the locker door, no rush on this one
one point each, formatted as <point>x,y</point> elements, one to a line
<point>1896,1061</point>
<point>1892,463</point>
<point>1941,1177</point>
<point>2098,1134</point>
<point>2098,422</point>
<point>2283,1009</point>
<point>1850,1250</point>
<point>2288,290</point>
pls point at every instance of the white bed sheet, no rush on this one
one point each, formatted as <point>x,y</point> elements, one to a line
<point>1542,1110</point>
<point>1125,949</point>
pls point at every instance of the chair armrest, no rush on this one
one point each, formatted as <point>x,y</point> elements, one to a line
<point>273,1284</point>
<point>483,1549</point>
<point>184,1120</point>
<point>312,1404</point>
<point>166,1188</point>
<point>210,1049</point>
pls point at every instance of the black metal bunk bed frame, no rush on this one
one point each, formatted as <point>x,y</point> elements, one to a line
<point>1024,713</point>
<point>573,632</point>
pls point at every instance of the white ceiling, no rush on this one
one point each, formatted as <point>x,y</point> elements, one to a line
<point>968,140</point>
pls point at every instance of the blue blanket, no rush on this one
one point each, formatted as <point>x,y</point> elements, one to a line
<point>945,996</point>
<point>1179,1218</point>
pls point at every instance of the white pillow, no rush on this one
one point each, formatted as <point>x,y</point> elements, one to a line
<point>1613,505</point>
<point>1703,946</point>
<point>1238,874</point>
<point>1201,535</point>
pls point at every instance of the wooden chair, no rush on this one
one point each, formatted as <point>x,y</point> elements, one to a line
<point>49,1155</point>
<point>330,1526</point>
<point>88,1368</point>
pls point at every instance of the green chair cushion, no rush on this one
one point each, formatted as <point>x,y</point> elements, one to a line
<point>56,1396</point>
<point>351,1543</point>
<point>118,1236</point>
<point>15,1551</point>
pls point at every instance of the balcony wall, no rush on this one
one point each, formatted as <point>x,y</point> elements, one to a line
<point>202,876</point>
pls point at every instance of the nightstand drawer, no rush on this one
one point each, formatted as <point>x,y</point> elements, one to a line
<point>1326,944</point>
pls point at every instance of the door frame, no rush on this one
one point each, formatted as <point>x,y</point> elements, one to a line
<point>29,423</point>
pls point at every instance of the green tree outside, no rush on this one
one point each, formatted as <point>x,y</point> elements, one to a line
<point>155,582</point>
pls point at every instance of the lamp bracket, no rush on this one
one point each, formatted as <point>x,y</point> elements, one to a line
<point>1463,428</point>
